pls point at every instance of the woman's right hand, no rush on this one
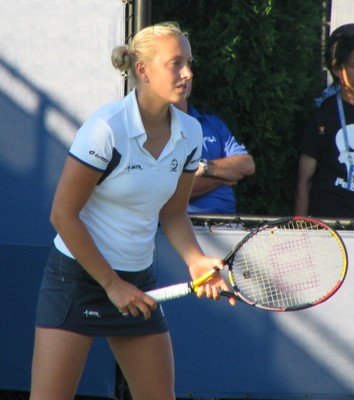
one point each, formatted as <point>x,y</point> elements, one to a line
<point>129,299</point>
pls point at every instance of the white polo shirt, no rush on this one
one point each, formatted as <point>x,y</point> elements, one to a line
<point>122,212</point>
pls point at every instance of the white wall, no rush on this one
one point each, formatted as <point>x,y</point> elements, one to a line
<point>61,48</point>
<point>55,70</point>
<point>342,12</point>
<point>248,353</point>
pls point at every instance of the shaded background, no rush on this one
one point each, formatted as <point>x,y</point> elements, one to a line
<point>55,70</point>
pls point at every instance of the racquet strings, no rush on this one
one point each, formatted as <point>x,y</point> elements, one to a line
<point>292,265</point>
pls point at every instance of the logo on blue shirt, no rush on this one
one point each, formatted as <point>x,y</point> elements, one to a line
<point>210,139</point>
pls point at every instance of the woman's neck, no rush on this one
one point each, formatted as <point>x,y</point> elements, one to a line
<point>153,115</point>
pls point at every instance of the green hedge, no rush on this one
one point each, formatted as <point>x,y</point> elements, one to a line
<point>259,67</point>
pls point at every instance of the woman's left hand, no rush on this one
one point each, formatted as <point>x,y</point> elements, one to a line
<point>212,287</point>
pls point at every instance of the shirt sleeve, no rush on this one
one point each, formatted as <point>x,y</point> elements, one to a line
<point>230,146</point>
<point>315,137</point>
<point>93,144</point>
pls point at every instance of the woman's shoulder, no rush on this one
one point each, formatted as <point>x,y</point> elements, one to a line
<point>106,111</point>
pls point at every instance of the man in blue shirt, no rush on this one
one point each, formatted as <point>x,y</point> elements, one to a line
<point>224,162</point>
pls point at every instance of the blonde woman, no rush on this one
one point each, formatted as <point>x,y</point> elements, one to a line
<point>132,164</point>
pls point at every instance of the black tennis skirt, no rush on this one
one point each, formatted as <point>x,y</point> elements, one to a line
<point>70,299</point>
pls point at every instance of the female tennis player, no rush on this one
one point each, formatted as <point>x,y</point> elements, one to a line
<point>131,165</point>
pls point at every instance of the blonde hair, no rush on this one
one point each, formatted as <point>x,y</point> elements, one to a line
<point>142,47</point>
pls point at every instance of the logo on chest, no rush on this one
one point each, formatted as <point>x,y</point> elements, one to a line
<point>138,167</point>
<point>134,167</point>
<point>174,165</point>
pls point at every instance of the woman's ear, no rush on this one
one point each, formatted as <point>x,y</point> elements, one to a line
<point>140,70</point>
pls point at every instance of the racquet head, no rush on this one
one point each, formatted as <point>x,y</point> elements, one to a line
<point>287,265</point>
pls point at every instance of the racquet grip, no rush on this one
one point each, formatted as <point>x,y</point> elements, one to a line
<point>171,292</point>
<point>196,283</point>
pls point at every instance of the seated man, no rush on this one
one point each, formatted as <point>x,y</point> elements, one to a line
<point>224,162</point>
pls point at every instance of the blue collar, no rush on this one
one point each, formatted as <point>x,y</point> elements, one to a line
<point>194,112</point>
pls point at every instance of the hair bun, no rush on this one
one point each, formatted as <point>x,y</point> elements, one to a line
<point>120,58</point>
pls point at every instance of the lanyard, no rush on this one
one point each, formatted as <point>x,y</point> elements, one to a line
<point>343,124</point>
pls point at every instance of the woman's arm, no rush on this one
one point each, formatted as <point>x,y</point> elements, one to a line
<point>178,228</point>
<point>74,189</point>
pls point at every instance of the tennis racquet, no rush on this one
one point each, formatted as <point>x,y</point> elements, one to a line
<point>284,265</point>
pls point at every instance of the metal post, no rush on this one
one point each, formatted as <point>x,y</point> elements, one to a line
<point>138,16</point>
<point>142,14</point>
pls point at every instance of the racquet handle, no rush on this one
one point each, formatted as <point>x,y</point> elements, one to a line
<point>171,292</point>
<point>181,289</point>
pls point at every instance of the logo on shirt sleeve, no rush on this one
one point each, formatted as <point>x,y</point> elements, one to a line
<point>96,155</point>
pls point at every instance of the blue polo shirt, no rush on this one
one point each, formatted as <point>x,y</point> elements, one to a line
<point>218,142</point>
